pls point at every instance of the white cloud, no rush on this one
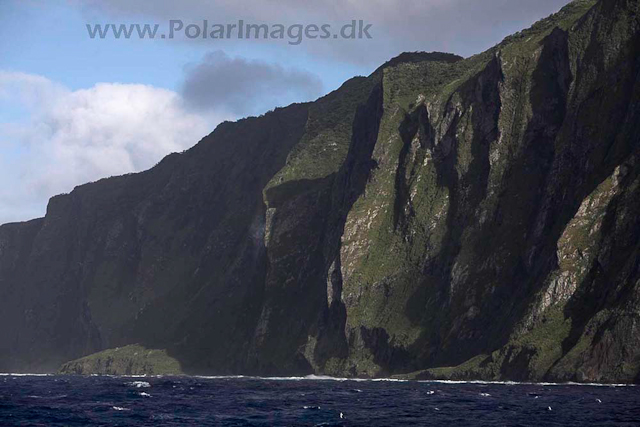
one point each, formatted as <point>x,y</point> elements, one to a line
<point>29,90</point>
<point>73,137</point>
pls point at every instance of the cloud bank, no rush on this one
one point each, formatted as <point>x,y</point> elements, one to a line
<point>72,137</point>
<point>62,138</point>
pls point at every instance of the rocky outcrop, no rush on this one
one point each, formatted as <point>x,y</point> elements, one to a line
<point>442,218</point>
<point>129,360</point>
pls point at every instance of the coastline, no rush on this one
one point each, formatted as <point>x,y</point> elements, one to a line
<point>329,378</point>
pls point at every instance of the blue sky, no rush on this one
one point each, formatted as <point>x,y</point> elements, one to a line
<point>75,109</point>
<point>51,39</point>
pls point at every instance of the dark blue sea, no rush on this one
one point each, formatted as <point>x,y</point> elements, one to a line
<point>243,401</point>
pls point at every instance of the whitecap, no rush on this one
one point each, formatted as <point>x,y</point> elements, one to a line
<point>224,377</point>
<point>341,379</point>
<point>59,396</point>
<point>143,394</point>
<point>119,408</point>
<point>139,384</point>
<point>525,383</point>
<point>8,374</point>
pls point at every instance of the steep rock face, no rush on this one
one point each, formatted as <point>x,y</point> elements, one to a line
<point>442,217</point>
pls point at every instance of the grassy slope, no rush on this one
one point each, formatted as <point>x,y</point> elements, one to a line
<point>129,360</point>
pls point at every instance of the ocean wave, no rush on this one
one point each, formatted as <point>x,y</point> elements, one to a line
<point>139,384</point>
<point>342,379</point>
<point>9,374</point>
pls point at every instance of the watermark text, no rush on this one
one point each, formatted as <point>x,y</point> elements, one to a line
<point>294,34</point>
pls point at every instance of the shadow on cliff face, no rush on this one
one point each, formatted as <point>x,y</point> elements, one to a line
<point>598,152</point>
<point>295,280</point>
<point>563,160</point>
<point>349,185</point>
<point>605,303</point>
<point>207,224</point>
<point>557,156</point>
<point>303,291</point>
<point>533,210</point>
<point>430,305</point>
<point>538,196</point>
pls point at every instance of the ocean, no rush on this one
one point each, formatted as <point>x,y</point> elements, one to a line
<point>30,400</point>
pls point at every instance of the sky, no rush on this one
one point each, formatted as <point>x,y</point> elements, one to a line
<point>75,109</point>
